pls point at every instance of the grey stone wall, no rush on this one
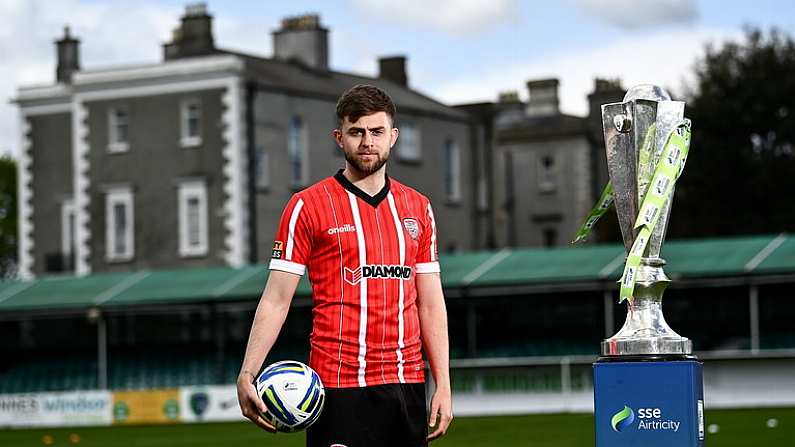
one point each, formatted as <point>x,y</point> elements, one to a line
<point>273,112</point>
<point>534,209</point>
<point>51,169</point>
<point>152,167</point>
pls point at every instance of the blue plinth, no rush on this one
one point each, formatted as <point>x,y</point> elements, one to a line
<point>649,404</point>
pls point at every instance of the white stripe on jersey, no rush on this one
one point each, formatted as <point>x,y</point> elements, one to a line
<point>291,229</point>
<point>357,221</point>
<point>342,283</point>
<point>402,245</point>
<point>433,234</point>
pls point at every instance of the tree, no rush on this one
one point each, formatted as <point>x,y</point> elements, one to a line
<point>740,174</point>
<point>8,217</point>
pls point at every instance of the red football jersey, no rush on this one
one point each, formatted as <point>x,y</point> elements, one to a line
<point>362,253</point>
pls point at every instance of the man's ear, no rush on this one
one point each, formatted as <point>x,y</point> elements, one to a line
<point>337,135</point>
<point>394,137</point>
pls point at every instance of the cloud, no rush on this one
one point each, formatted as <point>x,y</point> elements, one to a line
<point>665,59</point>
<point>111,34</point>
<point>457,17</point>
<point>637,14</point>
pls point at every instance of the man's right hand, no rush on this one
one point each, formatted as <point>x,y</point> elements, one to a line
<point>251,405</point>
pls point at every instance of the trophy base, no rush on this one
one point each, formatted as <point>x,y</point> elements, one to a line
<point>647,346</point>
<point>626,394</point>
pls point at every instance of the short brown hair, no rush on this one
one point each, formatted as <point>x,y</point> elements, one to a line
<point>363,99</point>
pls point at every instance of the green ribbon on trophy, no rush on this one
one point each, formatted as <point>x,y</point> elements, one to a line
<point>653,194</point>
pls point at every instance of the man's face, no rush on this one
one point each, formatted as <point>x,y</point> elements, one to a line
<point>366,142</point>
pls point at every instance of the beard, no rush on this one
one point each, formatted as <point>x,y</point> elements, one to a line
<point>366,167</point>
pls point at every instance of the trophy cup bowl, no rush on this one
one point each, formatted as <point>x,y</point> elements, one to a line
<point>635,133</point>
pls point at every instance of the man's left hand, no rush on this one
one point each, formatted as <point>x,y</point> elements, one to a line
<point>441,409</point>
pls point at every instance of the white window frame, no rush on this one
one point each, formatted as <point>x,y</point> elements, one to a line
<point>67,227</point>
<point>302,141</point>
<point>453,192</point>
<point>115,145</point>
<point>409,145</point>
<point>120,195</point>
<point>192,189</point>
<point>187,140</point>
<point>547,176</point>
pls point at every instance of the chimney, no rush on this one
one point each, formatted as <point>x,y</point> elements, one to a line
<point>508,97</point>
<point>604,91</point>
<point>393,69</point>
<point>68,50</point>
<point>543,97</point>
<point>509,109</point>
<point>194,36</point>
<point>302,39</point>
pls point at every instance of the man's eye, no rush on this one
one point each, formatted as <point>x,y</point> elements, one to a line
<point>378,132</point>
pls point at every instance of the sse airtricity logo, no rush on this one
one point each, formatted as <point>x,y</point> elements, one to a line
<point>623,419</point>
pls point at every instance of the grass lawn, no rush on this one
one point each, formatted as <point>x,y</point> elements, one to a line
<point>730,428</point>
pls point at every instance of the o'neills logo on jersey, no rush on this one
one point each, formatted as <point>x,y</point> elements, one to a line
<point>380,271</point>
<point>347,228</point>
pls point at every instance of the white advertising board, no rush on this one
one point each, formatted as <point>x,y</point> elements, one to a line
<point>209,403</point>
<point>56,409</point>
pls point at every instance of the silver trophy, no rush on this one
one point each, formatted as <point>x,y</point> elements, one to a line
<point>635,134</point>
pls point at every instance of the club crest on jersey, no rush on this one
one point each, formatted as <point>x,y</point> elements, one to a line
<point>277,249</point>
<point>380,271</point>
<point>412,227</point>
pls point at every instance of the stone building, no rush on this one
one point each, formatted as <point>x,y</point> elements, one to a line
<point>188,162</point>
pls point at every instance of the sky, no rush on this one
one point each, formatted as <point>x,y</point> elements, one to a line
<point>459,51</point>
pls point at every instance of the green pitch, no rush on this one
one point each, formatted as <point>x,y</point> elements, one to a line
<point>726,428</point>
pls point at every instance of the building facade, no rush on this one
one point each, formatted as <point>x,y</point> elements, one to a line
<point>543,169</point>
<point>188,162</point>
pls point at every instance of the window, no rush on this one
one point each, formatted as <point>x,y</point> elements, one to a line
<point>452,171</point>
<point>190,123</point>
<point>262,168</point>
<point>193,218</point>
<point>408,144</point>
<point>119,224</point>
<point>68,233</point>
<point>118,130</point>
<point>547,174</point>
<point>298,151</point>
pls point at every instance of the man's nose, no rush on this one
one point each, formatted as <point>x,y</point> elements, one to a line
<point>367,140</point>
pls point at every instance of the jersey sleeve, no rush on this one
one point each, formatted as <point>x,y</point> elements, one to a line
<point>427,250</point>
<point>293,242</point>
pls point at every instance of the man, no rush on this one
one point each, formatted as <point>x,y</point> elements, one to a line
<point>369,245</point>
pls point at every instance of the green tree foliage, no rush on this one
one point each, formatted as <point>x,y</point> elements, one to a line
<point>740,175</point>
<point>8,216</point>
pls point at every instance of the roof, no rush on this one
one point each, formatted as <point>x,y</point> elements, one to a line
<point>506,271</point>
<point>297,78</point>
<point>540,128</point>
<point>267,73</point>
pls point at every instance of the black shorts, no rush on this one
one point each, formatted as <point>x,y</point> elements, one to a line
<point>373,416</point>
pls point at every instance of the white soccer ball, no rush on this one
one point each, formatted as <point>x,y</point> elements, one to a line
<point>292,393</point>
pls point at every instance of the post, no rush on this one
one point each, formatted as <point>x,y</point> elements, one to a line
<point>102,353</point>
<point>753,307</point>
<point>472,330</point>
<point>609,323</point>
<point>565,376</point>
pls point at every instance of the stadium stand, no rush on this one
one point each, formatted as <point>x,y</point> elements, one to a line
<point>189,327</point>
